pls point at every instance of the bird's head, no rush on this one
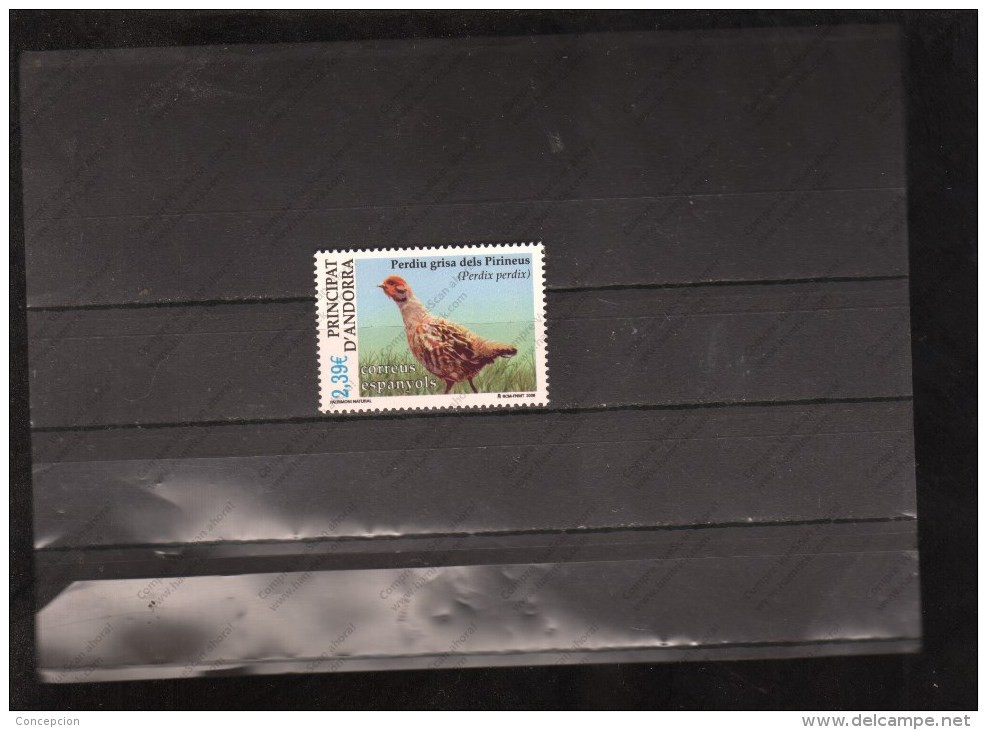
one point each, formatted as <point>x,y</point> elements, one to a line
<point>396,288</point>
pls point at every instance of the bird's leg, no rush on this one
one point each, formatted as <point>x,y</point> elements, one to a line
<point>473,386</point>
<point>449,385</point>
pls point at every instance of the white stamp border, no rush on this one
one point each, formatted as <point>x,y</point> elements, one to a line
<point>439,401</point>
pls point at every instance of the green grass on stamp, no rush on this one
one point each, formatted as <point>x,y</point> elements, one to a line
<point>511,375</point>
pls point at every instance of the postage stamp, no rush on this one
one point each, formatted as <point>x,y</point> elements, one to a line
<point>444,327</point>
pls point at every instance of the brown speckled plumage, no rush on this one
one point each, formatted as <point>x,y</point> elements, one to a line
<point>447,350</point>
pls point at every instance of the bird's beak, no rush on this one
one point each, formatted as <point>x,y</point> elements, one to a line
<point>380,286</point>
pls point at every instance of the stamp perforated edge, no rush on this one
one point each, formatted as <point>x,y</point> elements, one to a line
<point>459,401</point>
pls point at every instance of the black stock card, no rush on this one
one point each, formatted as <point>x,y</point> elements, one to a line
<point>724,470</point>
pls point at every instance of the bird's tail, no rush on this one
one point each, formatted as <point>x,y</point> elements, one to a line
<point>499,350</point>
